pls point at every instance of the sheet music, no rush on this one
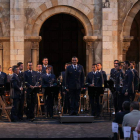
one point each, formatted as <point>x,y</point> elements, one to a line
<point>127,131</point>
<point>114,127</point>
<point>135,135</point>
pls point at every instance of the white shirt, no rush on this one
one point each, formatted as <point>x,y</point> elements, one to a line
<point>74,66</point>
<point>48,74</point>
<point>30,71</point>
<point>99,70</point>
<point>0,72</point>
<point>94,72</point>
<point>45,66</point>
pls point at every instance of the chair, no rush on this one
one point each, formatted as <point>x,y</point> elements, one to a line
<point>120,126</point>
<point>39,111</point>
<point>137,97</point>
<point>5,109</point>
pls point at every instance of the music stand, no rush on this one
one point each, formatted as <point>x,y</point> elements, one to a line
<point>92,91</point>
<point>109,84</point>
<point>8,86</point>
<point>35,89</point>
<point>2,88</point>
<point>51,91</point>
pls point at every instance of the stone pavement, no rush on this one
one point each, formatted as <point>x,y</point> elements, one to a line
<point>52,128</point>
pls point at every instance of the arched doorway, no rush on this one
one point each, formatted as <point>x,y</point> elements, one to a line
<point>133,53</point>
<point>62,38</point>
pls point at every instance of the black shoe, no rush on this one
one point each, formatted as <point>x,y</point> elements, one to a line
<point>32,119</point>
<point>72,113</point>
<point>13,120</point>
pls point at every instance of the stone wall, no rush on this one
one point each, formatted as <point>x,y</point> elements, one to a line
<point>110,35</point>
<point>21,20</point>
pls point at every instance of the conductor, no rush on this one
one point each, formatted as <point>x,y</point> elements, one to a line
<point>74,84</point>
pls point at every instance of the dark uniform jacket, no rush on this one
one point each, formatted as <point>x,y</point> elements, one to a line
<point>16,84</point>
<point>44,69</point>
<point>48,80</point>
<point>128,82</point>
<point>136,79</point>
<point>90,78</point>
<point>9,77</point>
<point>39,77</point>
<point>30,78</point>
<point>112,73</point>
<point>101,78</point>
<point>3,78</point>
<point>117,77</point>
<point>74,78</point>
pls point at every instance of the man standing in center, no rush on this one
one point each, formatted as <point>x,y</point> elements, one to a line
<point>74,84</point>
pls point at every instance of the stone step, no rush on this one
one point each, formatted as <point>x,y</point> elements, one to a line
<point>77,119</point>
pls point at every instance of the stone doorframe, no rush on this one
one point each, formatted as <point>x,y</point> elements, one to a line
<point>33,31</point>
<point>125,36</point>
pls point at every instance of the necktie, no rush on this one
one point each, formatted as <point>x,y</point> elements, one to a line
<point>74,67</point>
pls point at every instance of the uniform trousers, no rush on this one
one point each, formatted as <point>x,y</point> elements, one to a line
<point>17,109</point>
<point>31,102</point>
<point>48,107</point>
<point>74,100</point>
<point>95,108</point>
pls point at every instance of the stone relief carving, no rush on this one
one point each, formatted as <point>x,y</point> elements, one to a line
<point>106,4</point>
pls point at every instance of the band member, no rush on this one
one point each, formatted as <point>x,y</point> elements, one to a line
<point>112,72</point>
<point>136,78</point>
<point>48,80</point>
<point>21,77</point>
<point>3,81</point>
<point>9,75</point>
<point>74,84</point>
<point>30,78</point>
<point>128,82</point>
<point>117,93</point>
<point>39,73</point>
<point>17,89</point>
<point>45,65</point>
<point>65,94</point>
<point>101,75</point>
<point>91,80</point>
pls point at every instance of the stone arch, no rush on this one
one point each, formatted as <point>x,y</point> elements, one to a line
<point>51,7</point>
<point>34,31</point>
<point>129,19</point>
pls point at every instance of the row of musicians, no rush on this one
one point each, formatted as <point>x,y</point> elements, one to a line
<point>124,84</point>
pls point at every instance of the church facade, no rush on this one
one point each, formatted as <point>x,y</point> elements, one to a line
<point>96,31</point>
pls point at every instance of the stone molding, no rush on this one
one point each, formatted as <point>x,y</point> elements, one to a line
<point>1,46</point>
<point>4,39</point>
<point>32,38</point>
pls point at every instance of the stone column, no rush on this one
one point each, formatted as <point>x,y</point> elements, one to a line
<point>5,53</point>
<point>126,44</point>
<point>35,54</point>
<point>92,44</point>
<point>16,31</point>
<point>32,50</point>
<point>1,54</point>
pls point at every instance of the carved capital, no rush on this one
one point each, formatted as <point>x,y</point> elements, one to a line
<point>35,46</point>
<point>90,39</point>
<point>126,46</point>
<point>126,43</point>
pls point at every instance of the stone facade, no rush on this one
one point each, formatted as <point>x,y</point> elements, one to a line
<point>107,26</point>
